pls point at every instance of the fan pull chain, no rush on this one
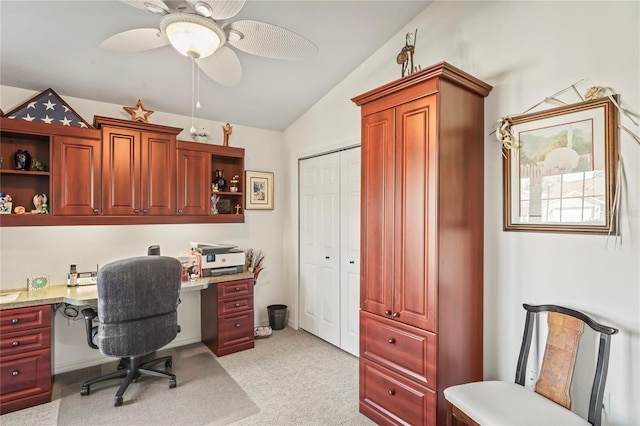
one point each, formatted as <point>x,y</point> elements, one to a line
<point>193,64</point>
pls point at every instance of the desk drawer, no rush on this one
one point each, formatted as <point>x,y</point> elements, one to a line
<point>388,398</point>
<point>235,330</point>
<point>25,374</point>
<point>235,289</point>
<point>231,306</point>
<point>404,349</point>
<point>24,341</point>
<point>25,318</point>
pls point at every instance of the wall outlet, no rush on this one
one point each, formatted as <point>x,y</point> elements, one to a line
<point>530,379</point>
<point>606,403</point>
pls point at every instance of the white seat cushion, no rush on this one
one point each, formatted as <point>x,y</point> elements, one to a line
<point>509,404</point>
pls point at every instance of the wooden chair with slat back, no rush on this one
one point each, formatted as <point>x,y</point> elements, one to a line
<point>550,402</point>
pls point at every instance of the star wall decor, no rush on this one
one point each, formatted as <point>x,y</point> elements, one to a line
<point>49,108</point>
<point>139,113</point>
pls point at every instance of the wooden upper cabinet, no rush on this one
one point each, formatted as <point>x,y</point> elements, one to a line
<point>138,168</point>
<point>194,172</point>
<point>76,175</point>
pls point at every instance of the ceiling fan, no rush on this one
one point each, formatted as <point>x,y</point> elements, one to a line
<point>194,28</point>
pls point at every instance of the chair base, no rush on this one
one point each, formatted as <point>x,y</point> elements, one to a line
<point>131,369</point>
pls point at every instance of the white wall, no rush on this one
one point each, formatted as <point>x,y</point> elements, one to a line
<point>526,50</point>
<point>29,251</point>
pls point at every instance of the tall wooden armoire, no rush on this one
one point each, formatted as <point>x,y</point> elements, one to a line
<point>421,286</point>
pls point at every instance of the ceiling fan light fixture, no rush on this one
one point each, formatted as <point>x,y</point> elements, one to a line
<point>203,9</point>
<point>192,35</point>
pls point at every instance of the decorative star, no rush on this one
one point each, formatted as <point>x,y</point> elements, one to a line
<point>49,105</point>
<point>139,113</point>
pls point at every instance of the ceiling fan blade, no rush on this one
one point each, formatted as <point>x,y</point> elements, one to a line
<point>155,6</point>
<point>216,9</point>
<point>136,40</point>
<point>271,41</point>
<point>223,66</point>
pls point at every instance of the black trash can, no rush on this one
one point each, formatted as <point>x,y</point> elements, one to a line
<point>277,316</point>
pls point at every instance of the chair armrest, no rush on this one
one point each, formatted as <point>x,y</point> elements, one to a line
<point>89,315</point>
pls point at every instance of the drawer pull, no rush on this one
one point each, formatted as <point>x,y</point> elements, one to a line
<point>15,321</point>
<point>396,314</point>
<point>237,288</point>
<point>391,392</point>
<point>14,344</point>
<point>387,312</point>
<point>15,373</point>
<point>237,325</point>
<point>391,340</point>
<point>237,305</point>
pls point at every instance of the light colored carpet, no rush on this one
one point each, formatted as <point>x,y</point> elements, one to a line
<point>290,378</point>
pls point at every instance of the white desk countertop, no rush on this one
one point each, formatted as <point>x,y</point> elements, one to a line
<point>85,294</point>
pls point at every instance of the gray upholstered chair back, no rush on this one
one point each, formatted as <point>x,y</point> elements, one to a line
<point>137,305</point>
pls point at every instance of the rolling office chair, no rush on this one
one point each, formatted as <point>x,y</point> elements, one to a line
<point>137,313</point>
<point>569,351</point>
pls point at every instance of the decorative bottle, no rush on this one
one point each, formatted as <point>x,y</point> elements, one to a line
<point>234,183</point>
<point>219,180</point>
<point>22,159</point>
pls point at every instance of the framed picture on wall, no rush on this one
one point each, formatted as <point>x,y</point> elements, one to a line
<point>560,174</point>
<point>258,190</point>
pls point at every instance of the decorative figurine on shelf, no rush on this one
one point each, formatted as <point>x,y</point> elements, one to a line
<point>238,207</point>
<point>199,135</point>
<point>227,129</point>
<point>22,159</point>
<point>5,203</point>
<point>214,203</point>
<point>405,57</point>
<point>139,113</point>
<point>37,166</point>
<point>38,201</point>
<point>234,183</point>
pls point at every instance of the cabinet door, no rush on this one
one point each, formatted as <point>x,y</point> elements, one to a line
<point>193,182</point>
<point>76,176</point>
<point>121,174</point>
<point>158,165</point>
<point>378,185</point>
<point>415,216</point>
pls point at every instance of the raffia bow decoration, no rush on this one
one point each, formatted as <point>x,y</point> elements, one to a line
<point>504,134</point>
<point>253,262</point>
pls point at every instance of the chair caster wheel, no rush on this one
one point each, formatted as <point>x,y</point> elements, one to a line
<point>172,384</point>
<point>85,391</point>
<point>117,401</point>
<point>168,363</point>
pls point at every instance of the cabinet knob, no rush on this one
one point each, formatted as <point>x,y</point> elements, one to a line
<point>145,211</point>
<point>237,288</point>
<point>391,392</point>
<point>96,211</point>
<point>396,314</point>
<point>136,211</point>
<point>179,211</point>
<point>14,344</point>
<point>387,312</point>
<point>237,305</point>
<point>15,373</point>
<point>391,340</point>
<point>15,321</point>
<point>237,325</point>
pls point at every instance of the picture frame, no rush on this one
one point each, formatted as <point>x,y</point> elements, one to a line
<point>560,175</point>
<point>258,190</point>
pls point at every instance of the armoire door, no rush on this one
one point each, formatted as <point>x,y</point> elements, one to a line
<point>330,247</point>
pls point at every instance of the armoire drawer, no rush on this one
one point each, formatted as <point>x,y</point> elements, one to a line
<point>399,347</point>
<point>387,397</point>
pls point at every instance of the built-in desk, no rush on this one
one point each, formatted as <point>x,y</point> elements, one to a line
<point>26,332</point>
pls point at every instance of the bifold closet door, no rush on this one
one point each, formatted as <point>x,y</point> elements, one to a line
<point>329,247</point>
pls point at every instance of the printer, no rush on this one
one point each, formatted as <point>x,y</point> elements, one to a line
<point>219,259</point>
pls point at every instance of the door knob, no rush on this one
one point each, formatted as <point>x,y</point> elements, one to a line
<point>352,262</point>
<point>326,257</point>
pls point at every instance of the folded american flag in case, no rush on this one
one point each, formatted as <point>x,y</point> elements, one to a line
<point>49,108</point>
